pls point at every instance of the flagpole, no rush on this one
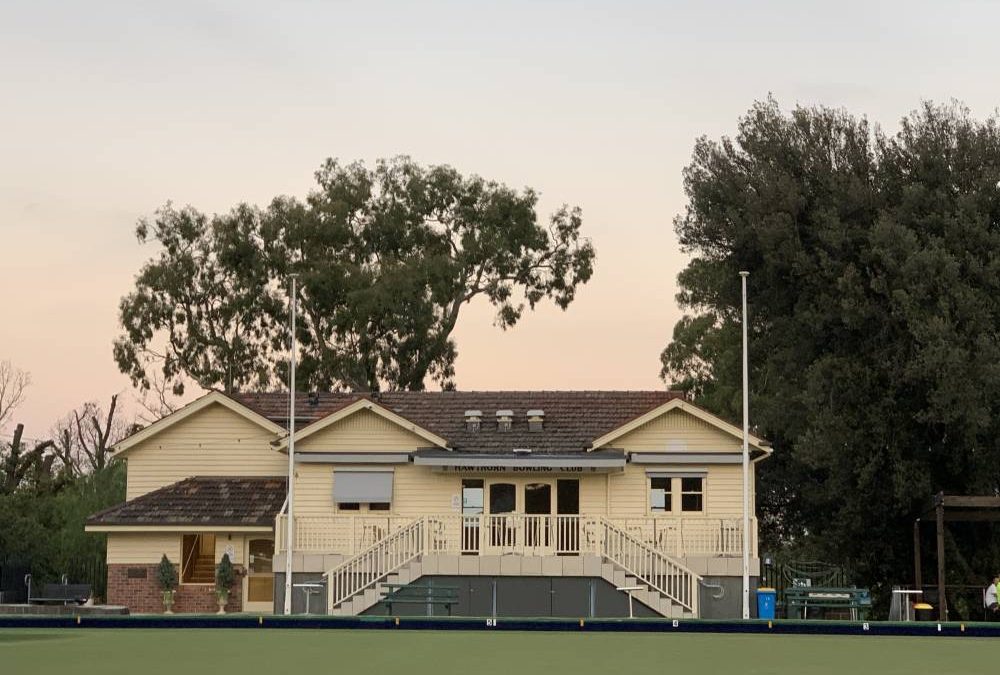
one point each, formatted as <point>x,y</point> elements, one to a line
<point>290,489</point>
<point>746,458</point>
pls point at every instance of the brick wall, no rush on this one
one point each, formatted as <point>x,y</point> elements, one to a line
<point>127,588</point>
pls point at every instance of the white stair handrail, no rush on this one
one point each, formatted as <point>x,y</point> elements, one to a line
<point>382,558</point>
<point>667,576</point>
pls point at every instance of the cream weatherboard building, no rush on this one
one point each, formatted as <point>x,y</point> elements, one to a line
<point>527,503</point>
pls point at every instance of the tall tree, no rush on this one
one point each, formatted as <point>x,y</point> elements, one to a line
<point>386,256</point>
<point>203,308</point>
<point>875,273</point>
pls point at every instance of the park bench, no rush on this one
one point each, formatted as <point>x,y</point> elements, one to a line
<point>419,594</point>
<point>58,594</point>
<point>799,599</point>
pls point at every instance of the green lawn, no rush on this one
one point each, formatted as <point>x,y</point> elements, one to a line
<point>363,652</point>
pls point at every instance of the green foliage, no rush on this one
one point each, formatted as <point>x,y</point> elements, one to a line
<point>166,574</point>
<point>44,528</point>
<point>874,315</point>
<point>386,256</point>
<point>225,575</point>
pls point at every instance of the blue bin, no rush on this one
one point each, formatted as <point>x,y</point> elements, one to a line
<point>766,600</point>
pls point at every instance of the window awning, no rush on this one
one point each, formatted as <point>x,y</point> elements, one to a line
<point>365,487</point>
<point>598,461</point>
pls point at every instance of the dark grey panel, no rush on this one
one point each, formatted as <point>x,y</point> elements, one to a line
<point>571,596</point>
<point>612,603</point>
<point>730,604</point>
<point>524,596</point>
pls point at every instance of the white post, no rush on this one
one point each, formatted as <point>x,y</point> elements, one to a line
<point>746,458</point>
<point>290,532</point>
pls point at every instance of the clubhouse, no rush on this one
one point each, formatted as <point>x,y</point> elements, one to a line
<point>521,503</point>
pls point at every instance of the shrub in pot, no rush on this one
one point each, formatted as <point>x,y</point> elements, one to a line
<point>225,576</point>
<point>166,577</point>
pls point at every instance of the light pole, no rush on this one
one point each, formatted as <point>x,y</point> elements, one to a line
<point>290,488</point>
<point>746,458</point>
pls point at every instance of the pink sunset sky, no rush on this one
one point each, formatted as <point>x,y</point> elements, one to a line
<point>112,108</point>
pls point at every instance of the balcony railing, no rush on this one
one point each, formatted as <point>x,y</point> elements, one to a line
<point>522,534</point>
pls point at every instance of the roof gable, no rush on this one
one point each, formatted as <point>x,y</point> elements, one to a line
<point>685,407</point>
<point>359,405</point>
<point>212,398</point>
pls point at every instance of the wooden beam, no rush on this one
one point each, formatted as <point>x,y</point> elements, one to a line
<point>942,600</point>
<point>974,502</point>
<point>918,577</point>
<point>971,516</point>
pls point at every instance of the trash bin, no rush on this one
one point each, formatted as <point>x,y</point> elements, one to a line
<point>923,611</point>
<point>766,600</point>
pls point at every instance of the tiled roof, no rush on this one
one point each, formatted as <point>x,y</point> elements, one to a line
<point>202,500</point>
<point>572,418</point>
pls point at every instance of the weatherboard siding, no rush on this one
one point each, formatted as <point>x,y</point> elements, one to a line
<point>678,431</point>
<point>212,442</point>
<point>363,431</point>
<point>723,491</point>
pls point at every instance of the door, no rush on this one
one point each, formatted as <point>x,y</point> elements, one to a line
<point>537,521</point>
<point>259,592</point>
<point>568,521</point>
<point>502,525</point>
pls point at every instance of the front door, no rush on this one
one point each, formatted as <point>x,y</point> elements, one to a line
<point>568,520</point>
<point>259,591</point>
<point>537,523</point>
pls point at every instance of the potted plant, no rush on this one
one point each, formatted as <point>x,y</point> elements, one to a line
<point>225,576</point>
<point>166,575</point>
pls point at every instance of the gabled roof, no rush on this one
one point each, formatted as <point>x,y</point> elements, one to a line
<point>692,409</point>
<point>357,406</point>
<point>203,501</point>
<point>573,419</point>
<point>211,398</point>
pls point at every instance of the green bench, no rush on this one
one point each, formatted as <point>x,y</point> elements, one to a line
<point>419,594</point>
<point>798,599</point>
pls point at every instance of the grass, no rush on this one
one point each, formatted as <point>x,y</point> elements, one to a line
<point>222,652</point>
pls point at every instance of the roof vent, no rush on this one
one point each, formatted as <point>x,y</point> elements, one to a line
<point>535,419</point>
<point>504,419</point>
<point>522,451</point>
<point>472,420</point>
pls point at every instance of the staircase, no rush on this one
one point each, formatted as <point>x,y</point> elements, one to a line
<point>665,585</point>
<point>201,570</point>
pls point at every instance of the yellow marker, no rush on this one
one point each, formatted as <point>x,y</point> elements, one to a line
<point>581,623</point>
<point>962,626</point>
<point>260,621</point>
<point>77,619</point>
<point>397,620</point>
<point>770,625</point>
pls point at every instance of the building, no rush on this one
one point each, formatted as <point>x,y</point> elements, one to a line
<point>529,503</point>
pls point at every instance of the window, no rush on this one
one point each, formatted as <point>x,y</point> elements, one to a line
<point>692,494</point>
<point>348,506</point>
<point>378,506</point>
<point>660,495</point>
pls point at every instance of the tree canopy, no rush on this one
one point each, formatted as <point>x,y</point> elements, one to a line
<point>386,258</point>
<point>874,262</point>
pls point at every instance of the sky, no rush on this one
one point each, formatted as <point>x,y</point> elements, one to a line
<point>110,109</point>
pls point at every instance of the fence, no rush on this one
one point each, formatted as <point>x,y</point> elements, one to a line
<point>91,571</point>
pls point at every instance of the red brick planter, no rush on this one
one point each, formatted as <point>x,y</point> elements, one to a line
<point>135,587</point>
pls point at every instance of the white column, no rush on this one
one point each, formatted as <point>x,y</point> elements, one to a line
<point>746,458</point>
<point>290,532</point>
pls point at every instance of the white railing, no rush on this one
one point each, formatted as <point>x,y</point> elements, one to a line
<point>522,534</point>
<point>517,534</point>
<point>650,566</point>
<point>376,562</point>
<point>683,536</point>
